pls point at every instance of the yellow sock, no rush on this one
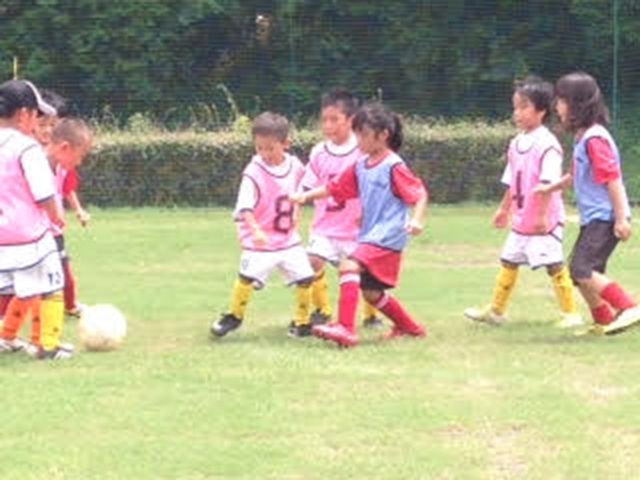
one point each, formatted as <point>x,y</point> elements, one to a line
<point>303,304</point>
<point>52,320</point>
<point>242,290</point>
<point>564,291</point>
<point>505,282</point>
<point>368,310</point>
<point>320,293</point>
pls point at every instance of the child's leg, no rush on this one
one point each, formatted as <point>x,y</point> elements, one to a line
<point>241,294</point>
<point>69,286</point>
<point>349,293</point>
<point>563,287</point>
<point>320,286</point>
<point>391,307</point>
<point>52,320</point>
<point>303,303</point>
<point>18,311</point>
<point>505,283</point>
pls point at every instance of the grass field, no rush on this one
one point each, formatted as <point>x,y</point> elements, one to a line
<point>524,401</point>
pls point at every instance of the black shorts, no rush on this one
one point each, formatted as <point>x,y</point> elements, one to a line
<point>369,282</point>
<point>595,244</point>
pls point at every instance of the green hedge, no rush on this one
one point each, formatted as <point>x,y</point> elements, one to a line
<point>459,162</point>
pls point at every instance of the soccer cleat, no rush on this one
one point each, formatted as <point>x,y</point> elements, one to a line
<point>570,320</point>
<point>485,315</point>
<point>227,323</point>
<point>623,321</point>
<point>337,333</point>
<point>11,346</point>
<point>374,323</point>
<point>299,331</point>
<point>319,318</point>
<point>61,352</point>
<point>396,332</point>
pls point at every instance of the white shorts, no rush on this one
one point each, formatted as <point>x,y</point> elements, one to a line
<point>18,257</point>
<point>40,279</point>
<point>534,250</point>
<point>331,249</point>
<point>292,262</point>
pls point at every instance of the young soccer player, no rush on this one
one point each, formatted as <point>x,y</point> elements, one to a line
<point>602,202</point>
<point>30,267</point>
<point>67,183</point>
<point>387,190</point>
<point>335,224</point>
<point>534,157</point>
<point>268,226</point>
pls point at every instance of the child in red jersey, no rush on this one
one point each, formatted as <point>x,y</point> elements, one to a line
<point>388,190</point>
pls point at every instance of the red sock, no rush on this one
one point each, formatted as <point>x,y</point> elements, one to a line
<point>615,296</point>
<point>348,302</point>
<point>397,314</point>
<point>69,286</point>
<point>4,303</point>
<point>603,314</point>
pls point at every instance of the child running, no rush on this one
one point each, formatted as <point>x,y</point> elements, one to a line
<point>534,157</point>
<point>602,202</point>
<point>268,226</point>
<point>387,189</point>
<point>335,224</point>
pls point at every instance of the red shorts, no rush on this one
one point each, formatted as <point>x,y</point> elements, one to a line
<point>381,263</point>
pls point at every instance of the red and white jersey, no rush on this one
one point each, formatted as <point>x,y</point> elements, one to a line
<point>265,191</point>
<point>533,158</point>
<point>333,219</point>
<point>25,179</point>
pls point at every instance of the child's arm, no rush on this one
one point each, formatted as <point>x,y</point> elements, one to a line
<point>622,226</point>
<point>260,238</point>
<point>309,195</point>
<point>416,223</point>
<point>563,184</point>
<point>50,206</point>
<point>74,202</point>
<point>501,217</point>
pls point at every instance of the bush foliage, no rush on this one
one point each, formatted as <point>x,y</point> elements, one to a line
<point>459,162</point>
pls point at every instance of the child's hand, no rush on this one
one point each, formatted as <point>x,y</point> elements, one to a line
<point>622,229</point>
<point>501,219</point>
<point>298,197</point>
<point>543,188</point>
<point>84,217</point>
<point>414,227</point>
<point>260,238</point>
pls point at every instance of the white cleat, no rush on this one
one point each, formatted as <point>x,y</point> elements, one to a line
<point>485,315</point>
<point>626,319</point>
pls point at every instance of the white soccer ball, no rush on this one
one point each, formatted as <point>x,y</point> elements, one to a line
<point>101,328</point>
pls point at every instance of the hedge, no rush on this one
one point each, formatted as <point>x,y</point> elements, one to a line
<point>459,162</point>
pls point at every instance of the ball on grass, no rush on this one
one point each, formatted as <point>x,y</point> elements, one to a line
<point>101,328</point>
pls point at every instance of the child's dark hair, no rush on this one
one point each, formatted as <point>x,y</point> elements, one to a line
<point>584,99</point>
<point>538,92</point>
<point>379,118</point>
<point>271,125</point>
<point>17,94</point>
<point>56,101</point>
<point>343,99</point>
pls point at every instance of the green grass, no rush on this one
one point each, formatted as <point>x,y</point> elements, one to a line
<point>523,401</point>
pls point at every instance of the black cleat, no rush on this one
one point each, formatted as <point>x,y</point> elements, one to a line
<point>299,331</point>
<point>319,318</point>
<point>227,323</point>
<point>374,323</point>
